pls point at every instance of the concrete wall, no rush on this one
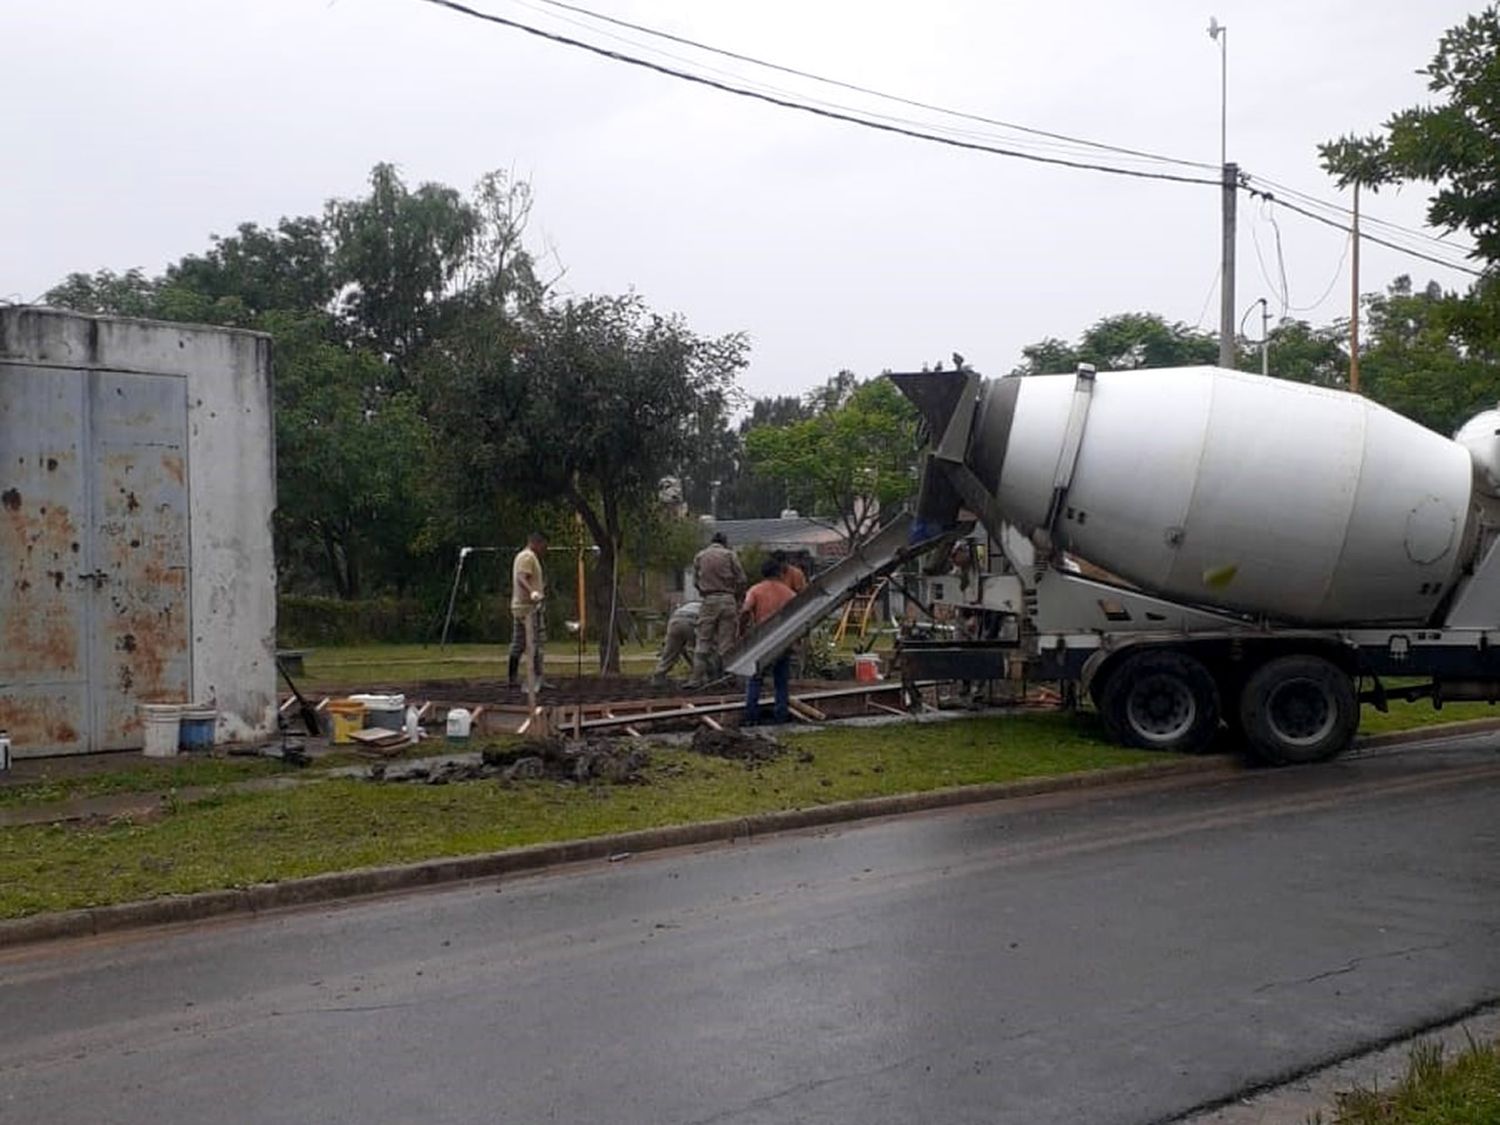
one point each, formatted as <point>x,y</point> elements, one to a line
<point>231,481</point>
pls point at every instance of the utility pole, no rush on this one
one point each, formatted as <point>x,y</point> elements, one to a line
<point>1226,281</point>
<point>1354,300</point>
<point>1231,173</point>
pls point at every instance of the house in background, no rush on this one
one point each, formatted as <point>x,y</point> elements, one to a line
<point>812,544</point>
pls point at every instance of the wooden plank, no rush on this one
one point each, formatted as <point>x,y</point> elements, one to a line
<point>377,736</point>
<point>803,712</point>
<point>886,708</point>
<point>711,723</point>
<point>806,710</point>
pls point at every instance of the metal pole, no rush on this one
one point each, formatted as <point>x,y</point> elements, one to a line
<point>463,553</point>
<point>1223,38</point>
<point>1354,300</point>
<point>1226,283</point>
<point>1265,337</point>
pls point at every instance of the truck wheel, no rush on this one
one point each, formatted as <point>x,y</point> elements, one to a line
<point>1162,701</point>
<point>1298,709</point>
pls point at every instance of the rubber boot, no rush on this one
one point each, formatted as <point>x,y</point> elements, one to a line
<point>514,666</point>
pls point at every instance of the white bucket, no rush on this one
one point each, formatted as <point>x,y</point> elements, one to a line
<point>387,712</point>
<point>459,721</point>
<point>161,722</point>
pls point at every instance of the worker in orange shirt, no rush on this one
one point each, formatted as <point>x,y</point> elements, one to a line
<point>764,601</point>
<point>791,573</point>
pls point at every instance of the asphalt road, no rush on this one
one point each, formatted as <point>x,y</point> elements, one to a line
<point>1111,957</point>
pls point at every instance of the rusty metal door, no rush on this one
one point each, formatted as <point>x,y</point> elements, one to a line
<point>138,578</point>
<point>44,524</point>
<point>94,544</point>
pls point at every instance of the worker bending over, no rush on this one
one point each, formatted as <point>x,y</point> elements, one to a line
<point>682,635</point>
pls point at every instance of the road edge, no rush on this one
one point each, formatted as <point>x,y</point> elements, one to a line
<point>366,881</point>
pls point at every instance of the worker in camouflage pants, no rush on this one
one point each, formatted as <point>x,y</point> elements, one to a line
<point>680,643</point>
<point>719,577</point>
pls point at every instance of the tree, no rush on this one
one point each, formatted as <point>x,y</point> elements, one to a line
<point>1302,353</point>
<point>1126,341</point>
<point>349,457</point>
<point>593,402</point>
<point>1453,144</point>
<point>1419,363</point>
<point>845,463</point>
<point>131,293</point>
<point>397,257</point>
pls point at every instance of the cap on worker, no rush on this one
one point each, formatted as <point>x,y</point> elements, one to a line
<point>720,538</point>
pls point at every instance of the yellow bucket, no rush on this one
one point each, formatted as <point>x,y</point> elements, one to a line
<point>347,717</point>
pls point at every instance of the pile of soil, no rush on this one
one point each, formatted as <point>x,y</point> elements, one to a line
<point>580,761</point>
<point>737,746</point>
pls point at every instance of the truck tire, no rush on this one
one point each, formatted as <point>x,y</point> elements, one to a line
<point>1298,709</point>
<point>1161,700</point>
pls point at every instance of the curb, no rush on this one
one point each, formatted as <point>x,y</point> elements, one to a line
<point>1427,734</point>
<point>366,881</point>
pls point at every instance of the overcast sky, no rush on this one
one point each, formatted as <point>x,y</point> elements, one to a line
<point>135,130</point>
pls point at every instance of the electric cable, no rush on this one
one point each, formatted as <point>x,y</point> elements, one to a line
<point>1375,220</point>
<point>1207,298</point>
<point>854,87</point>
<point>1338,271</point>
<point>1336,225</point>
<point>834,115</point>
<point>1286,289</point>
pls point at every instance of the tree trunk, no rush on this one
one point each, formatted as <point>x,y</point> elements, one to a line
<point>606,535</point>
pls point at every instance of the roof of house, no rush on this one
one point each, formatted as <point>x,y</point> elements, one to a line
<point>782,533</point>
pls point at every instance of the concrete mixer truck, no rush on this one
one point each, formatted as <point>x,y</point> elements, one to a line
<point>1257,553</point>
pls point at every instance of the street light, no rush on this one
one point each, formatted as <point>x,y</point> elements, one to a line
<point>1265,331</point>
<point>1230,180</point>
<point>1217,30</point>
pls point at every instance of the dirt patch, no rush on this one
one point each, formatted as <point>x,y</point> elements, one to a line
<point>580,762</point>
<point>737,746</point>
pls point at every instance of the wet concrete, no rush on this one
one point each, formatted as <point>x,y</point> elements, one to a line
<point>1105,957</point>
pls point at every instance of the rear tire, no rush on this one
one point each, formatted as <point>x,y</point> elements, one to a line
<point>1296,710</point>
<point>1161,700</point>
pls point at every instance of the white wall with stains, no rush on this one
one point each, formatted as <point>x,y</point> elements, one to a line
<point>229,462</point>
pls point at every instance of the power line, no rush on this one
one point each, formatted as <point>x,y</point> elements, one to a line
<point>915,104</point>
<point>1338,271</point>
<point>1328,205</point>
<point>1336,225</point>
<point>831,114</point>
<point>900,127</point>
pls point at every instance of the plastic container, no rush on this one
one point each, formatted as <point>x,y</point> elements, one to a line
<point>413,726</point>
<point>4,751</point>
<point>346,717</point>
<point>161,722</point>
<point>195,731</point>
<point>867,668</point>
<point>459,724</point>
<point>388,712</point>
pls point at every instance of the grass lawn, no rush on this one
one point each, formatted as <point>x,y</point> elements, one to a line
<point>1409,716</point>
<point>235,839</point>
<point>398,664</point>
<point>1462,1090</point>
<point>140,777</point>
